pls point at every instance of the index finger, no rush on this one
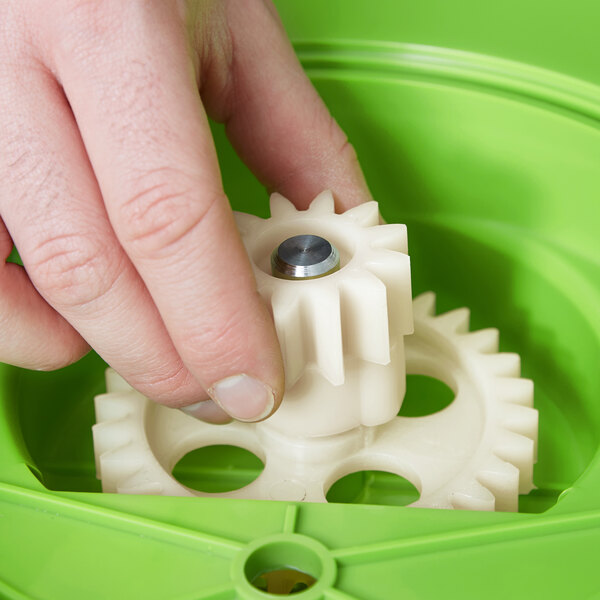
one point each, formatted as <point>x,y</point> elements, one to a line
<point>131,86</point>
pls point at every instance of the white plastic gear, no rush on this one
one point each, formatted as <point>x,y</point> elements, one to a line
<point>341,336</point>
<point>477,453</point>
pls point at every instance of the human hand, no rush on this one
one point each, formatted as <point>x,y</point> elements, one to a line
<point>110,189</point>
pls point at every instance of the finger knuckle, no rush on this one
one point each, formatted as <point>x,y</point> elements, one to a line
<point>29,169</point>
<point>73,269</point>
<point>166,385</point>
<point>158,217</point>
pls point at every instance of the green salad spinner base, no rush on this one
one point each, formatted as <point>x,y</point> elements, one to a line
<point>477,125</point>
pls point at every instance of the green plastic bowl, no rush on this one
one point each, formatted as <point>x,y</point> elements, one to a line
<point>479,129</point>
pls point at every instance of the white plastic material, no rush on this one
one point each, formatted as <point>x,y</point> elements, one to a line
<point>342,338</point>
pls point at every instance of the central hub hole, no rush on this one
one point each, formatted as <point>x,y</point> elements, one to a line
<point>283,568</point>
<point>283,582</point>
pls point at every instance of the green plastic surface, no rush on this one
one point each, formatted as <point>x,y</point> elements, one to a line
<point>477,125</point>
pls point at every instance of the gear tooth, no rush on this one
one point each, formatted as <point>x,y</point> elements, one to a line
<point>281,207</point>
<point>309,331</point>
<point>114,382</point>
<point>424,305</point>
<point>454,321</point>
<point>514,390</point>
<point>119,418</point>
<point>323,323</point>
<point>366,215</point>
<point>474,497</point>
<point>126,462</point>
<point>323,204</point>
<point>116,405</point>
<point>288,324</point>
<point>484,340</point>
<point>245,222</point>
<point>502,479</point>
<point>504,364</point>
<point>389,237</point>
<point>520,452</point>
<point>364,309</point>
<point>110,435</point>
<point>118,465</point>
<point>393,269</point>
<point>522,420</point>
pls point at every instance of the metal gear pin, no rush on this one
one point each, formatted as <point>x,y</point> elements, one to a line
<point>304,256</point>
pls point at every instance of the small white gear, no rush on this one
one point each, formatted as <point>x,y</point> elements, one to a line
<point>477,453</point>
<point>341,336</point>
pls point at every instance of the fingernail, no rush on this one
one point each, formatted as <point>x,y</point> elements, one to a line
<point>243,397</point>
<point>207,410</point>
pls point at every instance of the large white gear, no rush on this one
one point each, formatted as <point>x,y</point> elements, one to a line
<point>477,453</point>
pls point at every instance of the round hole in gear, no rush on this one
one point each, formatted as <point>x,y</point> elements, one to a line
<point>425,396</point>
<point>373,487</point>
<point>219,468</point>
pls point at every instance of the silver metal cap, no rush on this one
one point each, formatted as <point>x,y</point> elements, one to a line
<point>304,257</point>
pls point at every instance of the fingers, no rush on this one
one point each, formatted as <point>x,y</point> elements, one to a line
<point>51,204</point>
<point>274,117</point>
<point>131,87</point>
<point>32,334</point>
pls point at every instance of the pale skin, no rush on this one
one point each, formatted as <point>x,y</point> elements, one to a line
<point>111,191</point>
